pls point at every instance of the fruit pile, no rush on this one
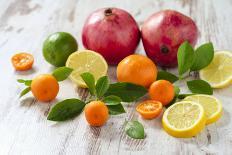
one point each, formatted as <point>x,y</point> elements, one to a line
<point>110,36</point>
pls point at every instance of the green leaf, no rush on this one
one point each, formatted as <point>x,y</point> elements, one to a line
<point>26,82</point>
<point>200,87</point>
<point>185,57</point>
<point>163,75</point>
<point>116,109</point>
<point>182,96</point>
<point>135,130</point>
<point>21,80</point>
<point>66,109</point>
<point>128,92</point>
<point>177,90</point>
<point>62,73</point>
<point>112,100</point>
<point>202,56</point>
<point>25,91</point>
<point>90,82</point>
<point>102,86</point>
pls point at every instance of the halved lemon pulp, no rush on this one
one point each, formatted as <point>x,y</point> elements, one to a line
<point>211,105</point>
<point>184,119</point>
<point>86,61</point>
<point>219,72</point>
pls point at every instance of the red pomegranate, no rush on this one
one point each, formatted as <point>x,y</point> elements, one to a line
<point>112,32</point>
<point>163,33</point>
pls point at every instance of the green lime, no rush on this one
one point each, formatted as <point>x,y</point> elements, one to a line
<point>57,48</point>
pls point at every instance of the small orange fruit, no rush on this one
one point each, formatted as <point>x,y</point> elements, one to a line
<point>96,113</point>
<point>149,109</point>
<point>137,69</point>
<point>22,61</point>
<point>45,87</point>
<point>163,91</point>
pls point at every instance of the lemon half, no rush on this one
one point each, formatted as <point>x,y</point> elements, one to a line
<point>86,61</point>
<point>211,105</point>
<point>219,72</point>
<point>184,119</point>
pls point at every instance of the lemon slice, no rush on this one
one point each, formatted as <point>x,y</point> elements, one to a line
<point>184,119</point>
<point>211,105</point>
<point>219,72</point>
<point>86,61</point>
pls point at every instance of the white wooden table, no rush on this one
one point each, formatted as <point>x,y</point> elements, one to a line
<point>24,24</point>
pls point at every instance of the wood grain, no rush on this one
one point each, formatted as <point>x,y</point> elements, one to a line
<point>24,24</point>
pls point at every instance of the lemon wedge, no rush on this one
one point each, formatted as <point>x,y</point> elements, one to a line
<point>86,61</point>
<point>184,119</point>
<point>219,72</point>
<point>211,105</point>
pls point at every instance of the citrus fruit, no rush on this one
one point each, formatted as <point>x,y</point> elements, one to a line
<point>86,61</point>
<point>22,61</point>
<point>184,119</point>
<point>149,109</point>
<point>57,47</point>
<point>96,113</point>
<point>162,91</point>
<point>211,105</point>
<point>137,69</point>
<point>44,87</point>
<point>219,72</point>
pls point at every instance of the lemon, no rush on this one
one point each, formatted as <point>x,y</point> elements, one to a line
<point>184,119</point>
<point>211,105</point>
<point>219,72</point>
<point>86,61</point>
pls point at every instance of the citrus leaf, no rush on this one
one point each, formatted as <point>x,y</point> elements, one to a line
<point>116,109</point>
<point>200,87</point>
<point>25,91</point>
<point>62,73</point>
<point>66,109</point>
<point>202,56</point>
<point>112,100</point>
<point>26,82</point>
<point>176,90</point>
<point>182,96</point>
<point>135,130</point>
<point>164,75</point>
<point>21,80</point>
<point>102,86</point>
<point>185,57</point>
<point>128,92</point>
<point>90,82</point>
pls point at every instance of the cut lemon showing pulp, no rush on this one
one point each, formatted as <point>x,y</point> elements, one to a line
<point>211,105</point>
<point>86,61</point>
<point>184,119</point>
<point>219,72</point>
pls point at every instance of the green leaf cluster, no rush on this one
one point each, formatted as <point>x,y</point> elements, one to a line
<point>111,94</point>
<point>60,74</point>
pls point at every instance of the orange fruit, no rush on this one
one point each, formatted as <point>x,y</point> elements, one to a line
<point>22,61</point>
<point>149,109</point>
<point>162,90</point>
<point>96,113</point>
<point>45,87</point>
<point>137,69</point>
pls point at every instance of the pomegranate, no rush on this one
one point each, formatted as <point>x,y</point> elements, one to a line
<point>163,33</point>
<point>112,32</point>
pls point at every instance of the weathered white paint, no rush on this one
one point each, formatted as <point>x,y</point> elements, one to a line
<point>24,24</point>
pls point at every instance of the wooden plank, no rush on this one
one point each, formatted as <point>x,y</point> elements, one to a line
<point>24,24</point>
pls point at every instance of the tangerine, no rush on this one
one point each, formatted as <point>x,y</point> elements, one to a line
<point>137,69</point>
